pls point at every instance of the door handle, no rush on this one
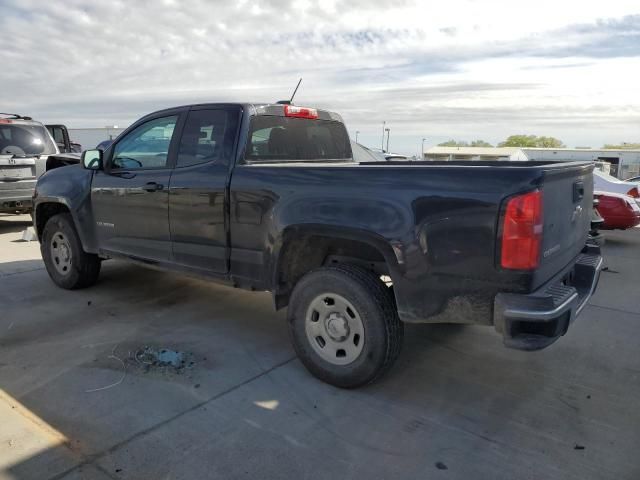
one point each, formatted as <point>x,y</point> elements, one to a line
<point>152,187</point>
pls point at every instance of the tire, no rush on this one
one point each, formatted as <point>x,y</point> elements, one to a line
<point>348,308</point>
<point>68,265</point>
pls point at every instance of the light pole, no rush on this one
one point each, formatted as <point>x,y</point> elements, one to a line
<point>388,130</point>
<point>357,132</point>
<point>109,127</point>
<point>383,129</point>
<point>422,158</point>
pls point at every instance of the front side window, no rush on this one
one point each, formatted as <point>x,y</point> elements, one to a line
<point>207,137</point>
<point>145,147</point>
<point>274,138</point>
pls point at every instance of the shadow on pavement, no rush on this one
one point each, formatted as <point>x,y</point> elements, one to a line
<point>13,226</point>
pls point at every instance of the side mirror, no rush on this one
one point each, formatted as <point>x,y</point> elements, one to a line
<point>92,159</point>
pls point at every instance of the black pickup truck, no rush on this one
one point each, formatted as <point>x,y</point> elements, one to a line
<point>270,197</point>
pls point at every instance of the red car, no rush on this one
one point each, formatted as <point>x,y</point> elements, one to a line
<point>618,210</point>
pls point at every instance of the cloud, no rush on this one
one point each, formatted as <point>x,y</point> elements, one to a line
<point>460,68</point>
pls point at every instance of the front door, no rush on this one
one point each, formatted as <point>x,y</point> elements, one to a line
<point>130,198</point>
<point>198,188</point>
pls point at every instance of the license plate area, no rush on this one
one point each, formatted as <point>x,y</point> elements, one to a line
<point>17,172</point>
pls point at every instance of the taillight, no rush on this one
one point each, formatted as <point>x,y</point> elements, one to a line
<point>300,112</point>
<point>522,232</point>
<point>634,192</point>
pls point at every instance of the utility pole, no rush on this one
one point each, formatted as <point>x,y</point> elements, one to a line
<point>109,127</point>
<point>383,129</point>
<point>422,158</point>
<point>388,130</point>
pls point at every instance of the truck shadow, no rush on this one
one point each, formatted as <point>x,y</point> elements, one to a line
<point>13,224</point>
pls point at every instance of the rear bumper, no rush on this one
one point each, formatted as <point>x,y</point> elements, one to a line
<point>536,320</point>
<point>16,202</point>
<point>16,196</point>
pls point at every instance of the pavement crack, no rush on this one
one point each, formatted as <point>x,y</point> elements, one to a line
<point>21,271</point>
<point>614,309</point>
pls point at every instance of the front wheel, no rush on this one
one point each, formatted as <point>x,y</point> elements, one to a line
<point>68,265</point>
<point>344,325</point>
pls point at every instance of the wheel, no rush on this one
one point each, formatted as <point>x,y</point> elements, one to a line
<point>68,265</point>
<point>344,325</point>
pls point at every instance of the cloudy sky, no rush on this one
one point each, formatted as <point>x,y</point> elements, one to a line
<point>461,69</point>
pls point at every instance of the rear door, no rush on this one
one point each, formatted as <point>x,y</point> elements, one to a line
<point>568,201</point>
<point>130,197</point>
<point>198,188</point>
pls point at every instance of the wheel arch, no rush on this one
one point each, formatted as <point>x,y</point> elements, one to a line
<point>302,248</point>
<point>47,207</point>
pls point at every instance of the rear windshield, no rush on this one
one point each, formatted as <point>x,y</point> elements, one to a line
<point>283,139</point>
<point>23,140</point>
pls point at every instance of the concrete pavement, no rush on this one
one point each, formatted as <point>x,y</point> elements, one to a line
<point>76,402</point>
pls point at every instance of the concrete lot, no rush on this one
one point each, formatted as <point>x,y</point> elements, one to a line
<point>456,406</point>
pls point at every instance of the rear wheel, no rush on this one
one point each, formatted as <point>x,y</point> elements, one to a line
<point>344,325</point>
<point>68,265</point>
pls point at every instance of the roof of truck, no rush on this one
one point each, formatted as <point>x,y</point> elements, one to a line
<point>257,108</point>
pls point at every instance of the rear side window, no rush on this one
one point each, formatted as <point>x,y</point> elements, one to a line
<point>284,139</point>
<point>208,136</point>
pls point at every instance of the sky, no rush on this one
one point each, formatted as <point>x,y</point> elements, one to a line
<point>461,69</point>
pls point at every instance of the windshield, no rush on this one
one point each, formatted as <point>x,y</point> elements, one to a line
<point>284,139</point>
<point>20,140</point>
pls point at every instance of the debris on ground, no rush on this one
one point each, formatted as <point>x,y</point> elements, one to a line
<point>29,235</point>
<point>124,373</point>
<point>441,466</point>
<point>578,447</point>
<point>164,360</point>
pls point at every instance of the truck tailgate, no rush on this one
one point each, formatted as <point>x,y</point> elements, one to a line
<point>567,203</point>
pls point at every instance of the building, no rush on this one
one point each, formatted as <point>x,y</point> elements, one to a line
<point>623,163</point>
<point>474,153</point>
<point>620,163</point>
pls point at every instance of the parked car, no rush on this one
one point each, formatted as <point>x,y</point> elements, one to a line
<point>606,183</point>
<point>597,221</point>
<point>24,147</point>
<point>388,156</point>
<point>360,153</point>
<point>269,197</point>
<point>618,211</point>
<point>394,157</point>
<point>60,135</point>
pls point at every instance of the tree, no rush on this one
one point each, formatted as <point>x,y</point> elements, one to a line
<point>455,143</point>
<point>481,143</point>
<point>624,146</point>
<point>531,141</point>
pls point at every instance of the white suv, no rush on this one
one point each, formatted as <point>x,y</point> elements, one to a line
<point>24,148</point>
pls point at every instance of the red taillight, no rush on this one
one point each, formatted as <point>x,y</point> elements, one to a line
<point>522,232</point>
<point>300,112</point>
<point>4,120</point>
<point>634,192</point>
